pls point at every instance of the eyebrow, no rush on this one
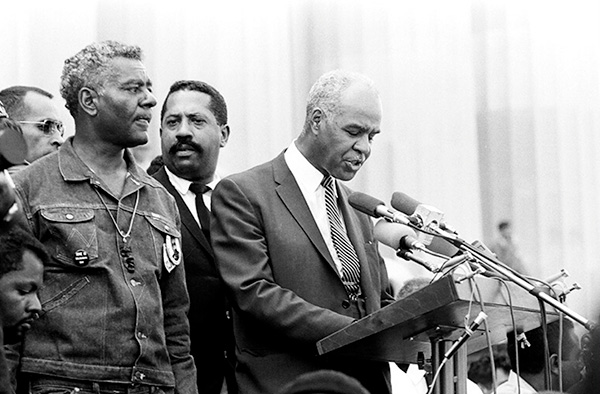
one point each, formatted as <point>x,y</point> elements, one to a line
<point>137,81</point>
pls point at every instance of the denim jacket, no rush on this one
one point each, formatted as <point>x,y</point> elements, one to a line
<point>106,317</point>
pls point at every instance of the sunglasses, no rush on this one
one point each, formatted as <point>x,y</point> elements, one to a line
<point>48,126</point>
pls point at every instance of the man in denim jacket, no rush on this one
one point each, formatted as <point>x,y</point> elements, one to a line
<point>114,298</point>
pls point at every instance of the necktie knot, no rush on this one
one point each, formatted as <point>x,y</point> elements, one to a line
<point>327,182</point>
<point>198,188</point>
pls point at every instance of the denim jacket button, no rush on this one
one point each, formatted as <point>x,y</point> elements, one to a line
<point>69,216</point>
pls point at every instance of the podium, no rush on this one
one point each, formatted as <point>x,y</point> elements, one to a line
<point>430,319</point>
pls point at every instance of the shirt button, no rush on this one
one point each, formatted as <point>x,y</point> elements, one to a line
<point>141,335</point>
<point>167,228</point>
<point>69,216</point>
<point>345,304</point>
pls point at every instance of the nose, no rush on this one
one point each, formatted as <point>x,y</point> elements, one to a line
<point>34,305</point>
<point>149,100</point>
<point>363,144</point>
<point>57,140</point>
<point>184,131</point>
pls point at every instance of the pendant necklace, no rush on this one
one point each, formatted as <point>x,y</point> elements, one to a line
<point>125,249</point>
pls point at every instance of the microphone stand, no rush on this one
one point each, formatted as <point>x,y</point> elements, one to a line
<point>490,262</point>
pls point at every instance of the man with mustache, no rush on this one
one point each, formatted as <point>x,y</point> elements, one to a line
<point>114,296</point>
<point>299,262</point>
<point>193,131</point>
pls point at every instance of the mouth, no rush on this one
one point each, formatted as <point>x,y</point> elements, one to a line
<point>185,149</point>
<point>355,164</point>
<point>25,325</point>
<point>145,119</point>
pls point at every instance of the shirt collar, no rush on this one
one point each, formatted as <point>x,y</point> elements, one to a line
<point>307,176</point>
<point>183,185</point>
<point>73,168</point>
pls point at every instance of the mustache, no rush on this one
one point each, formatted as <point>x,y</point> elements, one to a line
<point>181,145</point>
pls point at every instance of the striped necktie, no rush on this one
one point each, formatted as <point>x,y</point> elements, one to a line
<point>341,243</point>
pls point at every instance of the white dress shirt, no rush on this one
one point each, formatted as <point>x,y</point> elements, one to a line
<point>183,188</point>
<point>309,180</point>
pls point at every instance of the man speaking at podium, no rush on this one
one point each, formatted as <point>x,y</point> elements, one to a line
<point>299,262</point>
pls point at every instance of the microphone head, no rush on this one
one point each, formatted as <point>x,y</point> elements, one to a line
<point>404,203</point>
<point>364,203</point>
<point>391,234</point>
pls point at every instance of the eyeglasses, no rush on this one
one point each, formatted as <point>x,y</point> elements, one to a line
<point>48,126</point>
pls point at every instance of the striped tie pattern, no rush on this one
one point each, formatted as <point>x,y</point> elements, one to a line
<point>344,249</point>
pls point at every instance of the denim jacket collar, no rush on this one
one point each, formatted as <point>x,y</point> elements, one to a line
<point>73,169</point>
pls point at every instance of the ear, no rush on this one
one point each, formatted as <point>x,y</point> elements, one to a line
<point>88,101</point>
<point>224,135</point>
<point>554,364</point>
<point>316,117</point>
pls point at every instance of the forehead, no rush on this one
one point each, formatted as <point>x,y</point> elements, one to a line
<point>361,100</point>
<point>188,101</point>
<point>124,69</point>
<point>37,106</point>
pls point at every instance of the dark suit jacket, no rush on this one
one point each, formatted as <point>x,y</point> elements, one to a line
<point>285,289</point>
<point>211,333</point>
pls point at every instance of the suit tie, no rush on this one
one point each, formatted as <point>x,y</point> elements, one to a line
<point>203,213</point>
<point>341,243</point>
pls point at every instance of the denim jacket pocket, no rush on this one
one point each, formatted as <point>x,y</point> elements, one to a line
<point>71,234</point>
<point>50,302</point>
<point>164,230</point>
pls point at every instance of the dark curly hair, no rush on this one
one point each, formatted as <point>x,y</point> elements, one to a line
<point>13,244</point>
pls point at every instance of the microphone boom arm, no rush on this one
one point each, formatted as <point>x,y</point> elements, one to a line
<point>490,262</point>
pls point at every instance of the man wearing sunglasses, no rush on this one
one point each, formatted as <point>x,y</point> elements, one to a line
<point>36,112</point>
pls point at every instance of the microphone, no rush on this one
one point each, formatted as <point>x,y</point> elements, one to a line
<point>426,215</point>
<point>402,239</point>
<point>465,335</point>
<point>396,236</point>
<point>376,208</point>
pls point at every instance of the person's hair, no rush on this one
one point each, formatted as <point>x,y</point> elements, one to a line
<point>324,382</point>
<point>90,67</point>
<point>590,354</point>
<point>217,103</point>
<point>503,224</point>
<point>327,90</point>
<point>412,285</point>
<point>532,357</point>
<point>155,165</point>
<point>13,243</point>
<point>480,371</point>
<point>13,99</point>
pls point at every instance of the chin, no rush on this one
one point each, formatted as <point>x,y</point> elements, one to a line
<point>137,142</point>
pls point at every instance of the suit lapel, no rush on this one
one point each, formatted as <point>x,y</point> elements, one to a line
<point>291,196</point>
<point>187,219</point>
<point>355,233</point>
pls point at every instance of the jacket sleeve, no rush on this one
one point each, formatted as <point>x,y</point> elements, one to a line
<point>177,329</point>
